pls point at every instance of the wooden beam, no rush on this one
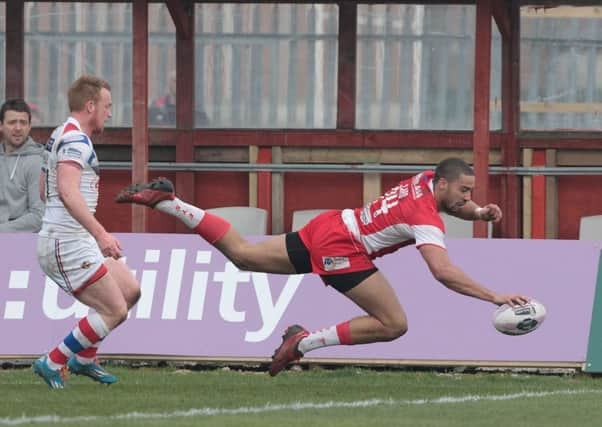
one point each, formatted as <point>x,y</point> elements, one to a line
<point>181,11</point>
<point>15,51</point>
<point>565,143</point>
<point>184,180</point>
<point>482,90</point>
<point>510,184</point>
<point>502,16</point>
<point>372,186</point>
<point>264,185</point>
<point>140,103</point>
<point>231,139</point>
<point>352,155</point>
<point>538,198</point>
<point>527,195</point>
<point>277,194</point>
<point>584,11</point>
<point>253,155</point>
<point>551,192</point>
<point>185,104</point>
<point>334,138</point>
<point>347,65</point>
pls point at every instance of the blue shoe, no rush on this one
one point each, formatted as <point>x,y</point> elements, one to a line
<point>53,378</point>
<point>91,370</point>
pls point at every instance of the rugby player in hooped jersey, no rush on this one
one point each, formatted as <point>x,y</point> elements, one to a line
<point>340,245</point>
<point>74,249</point>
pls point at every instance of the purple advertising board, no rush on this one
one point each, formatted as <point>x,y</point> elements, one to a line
<point>195,303</point>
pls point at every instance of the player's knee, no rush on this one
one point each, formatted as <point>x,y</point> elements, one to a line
<point>134,296</point>
<point>396,329</point>
<point>118,315</point>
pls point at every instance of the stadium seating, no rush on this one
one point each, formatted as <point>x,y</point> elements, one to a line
<point>302,217</point>
<point>459,228</point>
<point>245,219</point>
<point>590,227</point>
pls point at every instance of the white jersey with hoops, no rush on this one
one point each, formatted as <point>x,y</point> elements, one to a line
<point>404,215</point>
<point>69,144</point>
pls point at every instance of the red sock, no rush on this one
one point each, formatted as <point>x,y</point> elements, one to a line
<point>212,227</point>
<point>344,333</point>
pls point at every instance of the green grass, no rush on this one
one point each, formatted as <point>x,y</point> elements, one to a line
<point>392,398</point>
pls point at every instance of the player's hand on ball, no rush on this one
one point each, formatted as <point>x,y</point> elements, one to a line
<point>511,299</point>
<point>519,320</point>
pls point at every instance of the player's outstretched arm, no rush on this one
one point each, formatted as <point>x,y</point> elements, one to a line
<point>455,279</point>
<point>473,212</point>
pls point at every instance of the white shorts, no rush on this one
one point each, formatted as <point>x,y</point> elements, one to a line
<point>73,264</point>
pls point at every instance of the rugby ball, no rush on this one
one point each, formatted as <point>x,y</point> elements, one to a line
<point>520,319</point>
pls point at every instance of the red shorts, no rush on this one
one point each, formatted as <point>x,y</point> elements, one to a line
<point>332,248</point>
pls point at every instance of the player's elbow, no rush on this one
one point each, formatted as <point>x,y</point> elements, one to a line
<point>441,273</point>
<point>63,193</point>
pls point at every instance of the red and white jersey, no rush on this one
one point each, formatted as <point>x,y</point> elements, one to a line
<point>404,215</point>
<point>68,144</point>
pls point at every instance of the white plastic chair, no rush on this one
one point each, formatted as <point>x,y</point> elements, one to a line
<point>590,227</point>
<point>302,217</point>
<point>246,220</point>
<point>459,228</point>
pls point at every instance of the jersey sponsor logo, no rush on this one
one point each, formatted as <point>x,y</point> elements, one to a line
<point>72,153</point>
<point>335,262</point>
<point>95,183</point>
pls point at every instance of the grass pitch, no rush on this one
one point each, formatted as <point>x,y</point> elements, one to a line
<point>347,397</point>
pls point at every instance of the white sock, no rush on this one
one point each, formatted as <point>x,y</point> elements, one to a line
<point>319,339</point>
<point>187,213</point>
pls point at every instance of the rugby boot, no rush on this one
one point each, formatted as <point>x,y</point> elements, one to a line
<point>52,377</point>
<point>92,370</point>
<point>288,352</point>
<point>150,194</point>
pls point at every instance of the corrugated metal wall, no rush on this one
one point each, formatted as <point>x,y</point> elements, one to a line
<point>275,66</point>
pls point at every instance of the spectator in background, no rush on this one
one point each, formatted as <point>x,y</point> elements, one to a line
<point>21,160</point>
<point>162,111</point>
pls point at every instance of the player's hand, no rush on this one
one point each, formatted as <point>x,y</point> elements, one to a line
<point>109,246</point>
<point>511,299</point>
<point>490,212</point>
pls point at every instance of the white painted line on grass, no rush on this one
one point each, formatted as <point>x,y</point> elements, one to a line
<point>297,406</point>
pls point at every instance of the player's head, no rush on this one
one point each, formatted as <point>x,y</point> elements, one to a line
<point>15,121</point>
<point>453,184</point>
<point>91,97</point>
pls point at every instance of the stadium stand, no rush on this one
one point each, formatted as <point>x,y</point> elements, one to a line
<point>246,219</point>
<point>302,217</point>
<point>590,227</point>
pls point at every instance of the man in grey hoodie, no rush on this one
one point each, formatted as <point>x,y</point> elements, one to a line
<point>21,160</point>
